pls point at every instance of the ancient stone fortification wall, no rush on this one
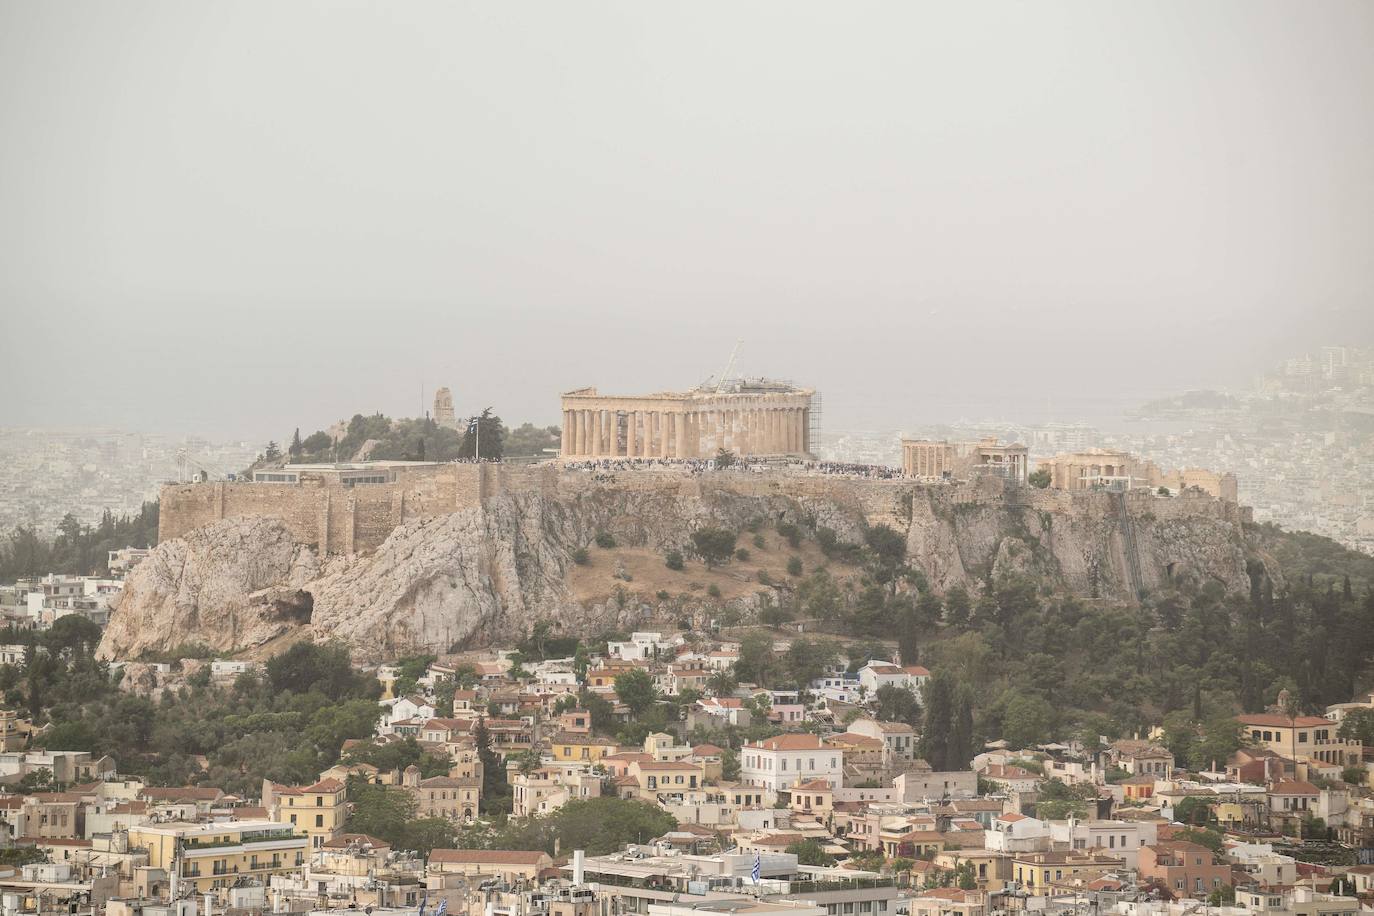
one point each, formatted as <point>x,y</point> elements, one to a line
<point>343,520</point>
<point>334,518</point>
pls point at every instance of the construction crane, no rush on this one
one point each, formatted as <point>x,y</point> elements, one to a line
<point>186,462</point>
<point>729,367</point>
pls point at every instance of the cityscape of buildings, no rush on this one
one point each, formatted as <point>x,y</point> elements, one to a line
<point>1300,441</point>
<point>828,810</point>
<point>830,796</point>
<point>46,474</point>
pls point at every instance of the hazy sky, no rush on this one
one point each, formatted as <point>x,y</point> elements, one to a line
<point>243,217</point>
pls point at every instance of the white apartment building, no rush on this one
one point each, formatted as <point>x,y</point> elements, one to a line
<point>643,645</point>
<point>59,596</point>
<point>1012,832</point>
<point>1118,838</point>
<point>783,760</point>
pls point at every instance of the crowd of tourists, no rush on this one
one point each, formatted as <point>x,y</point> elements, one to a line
<point>605,466</point>
<point>690,465</point>
<point>849,469</point>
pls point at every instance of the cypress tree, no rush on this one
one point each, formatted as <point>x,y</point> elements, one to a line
<point>935,737</point>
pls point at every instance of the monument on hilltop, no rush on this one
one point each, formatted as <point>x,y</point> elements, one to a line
<point>443,409</point>
<point>750,417</point>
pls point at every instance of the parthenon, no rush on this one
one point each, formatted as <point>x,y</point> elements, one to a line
<point>749,418</point>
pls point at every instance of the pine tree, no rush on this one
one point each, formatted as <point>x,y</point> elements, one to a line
<point>485,432</point>
<point>295,449</point>
<point>957,607</point>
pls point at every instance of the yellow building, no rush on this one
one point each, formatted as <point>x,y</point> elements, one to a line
<point>1039,873</point>
<point>816,797</point>
<point>1302,738</point>
<point>317,810</point>
<point>663,779</point>
<point>14,731</point>
<point>566,746</point>
<point>211,856</point>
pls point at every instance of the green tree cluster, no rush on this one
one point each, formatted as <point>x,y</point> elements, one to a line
<point>76,549</point>
<point>286,726</point>
<point>598,825</point>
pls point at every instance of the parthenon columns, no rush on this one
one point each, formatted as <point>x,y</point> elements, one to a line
<point>695,424</point>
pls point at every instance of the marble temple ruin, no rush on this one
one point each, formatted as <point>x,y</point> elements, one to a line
<point>747,417</point>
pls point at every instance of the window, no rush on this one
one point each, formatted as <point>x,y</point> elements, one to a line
<point>319,820</point>
<point>319,801</point>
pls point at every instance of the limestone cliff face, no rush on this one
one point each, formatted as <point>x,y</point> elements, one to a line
<point>484,575</point>
<point>222,585</point>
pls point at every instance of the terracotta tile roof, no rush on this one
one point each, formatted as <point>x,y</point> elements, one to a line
<point>450,782</point>
<point>1275,721</point>
<point>778,839</point>
<point>181,793</point>
<point>131,807</point>
<point>1007,771</point>
<point>895,727</point>
<point>576,738</point>
<point>449,724</point>
<point>1293,787</point>
<point>793,741</point>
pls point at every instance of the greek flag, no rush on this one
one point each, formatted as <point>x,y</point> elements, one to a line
<point>758,867</point>
<point>442,908</point>
<point>423,900</point>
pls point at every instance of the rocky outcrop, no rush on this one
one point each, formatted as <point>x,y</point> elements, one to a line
<point>485,574</point>
<point>218,586</point>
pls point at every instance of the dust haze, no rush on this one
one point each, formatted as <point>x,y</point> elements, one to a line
<point>240,218</point>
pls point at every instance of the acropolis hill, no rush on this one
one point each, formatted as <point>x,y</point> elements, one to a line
<point>474,553</point>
